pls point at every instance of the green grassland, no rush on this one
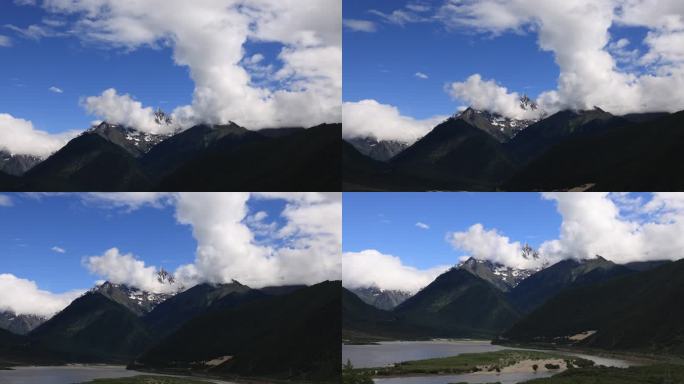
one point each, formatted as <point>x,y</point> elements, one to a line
<point>650,374</point>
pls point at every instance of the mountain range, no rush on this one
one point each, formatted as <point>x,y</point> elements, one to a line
<point>592,303</point>
<point>228,330</point>
<point>111,157</point>
<point>570,150</point>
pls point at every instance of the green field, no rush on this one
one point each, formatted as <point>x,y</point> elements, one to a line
<point>651,374</point>
<point>147,380</point>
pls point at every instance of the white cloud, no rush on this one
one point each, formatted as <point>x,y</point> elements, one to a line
<point>124,110</point>
<point>5,41</point>
<point>488,95</point>
<point>422,225</point>
<point>129,200</point>
<point>490,245</point>
<point>23,297</point>
<point>577,33</point>
<point>58,249</point>
<point>126,269</point>
<point>421,75</point>
<point>6,201</point>
<point>54,89</point>
<point>35,31</point>
<point>368,118</point>
<point>370,268</point>
<point>359,25</point>
<point>18,136</point>
<point>617,226</point>
<point>209,37</point>
<point>305,250</point>
<point>594,223</point>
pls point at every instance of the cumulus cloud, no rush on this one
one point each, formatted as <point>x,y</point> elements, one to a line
<point>6,201</point>
<point>23,297</point>
<point>617,226</point>
<point>54,89</point>
<point>209,38</point>
<point>58,249</point>
<point>577,33</point>
<point>126,269</point>
<point>368,118</point>
<point>305,249</point>
<point>483,244</point>
<point>124,110</point>
<point>18,136</point>
<point>370,268</point>
<point>359,25</point>
<point>5,41</point>
<point>422,225</point>
<point>488,95</point>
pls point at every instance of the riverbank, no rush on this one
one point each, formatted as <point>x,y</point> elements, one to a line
<point>635,357</point>
<point>504,361</point>
<point>145,379</point>
<point>657,373</point>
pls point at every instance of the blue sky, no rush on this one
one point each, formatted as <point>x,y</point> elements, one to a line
<point>31,66</point>
<point>32,226</point>
<point>381,65</point>
<point>238,59</point>
<point>387,222</point>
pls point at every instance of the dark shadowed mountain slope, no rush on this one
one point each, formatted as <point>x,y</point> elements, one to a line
<point>87,163</point>
<point>543,285</point>
<point>169,315</point>
<point>177,150</point>
<point>277,290</point>
<point>455,155</point>
<point>308,160</point>
<point>363,322</point>
<point>459,304</point>
<point>93,328</point>
<point>362,173</point>
<point>640,312</point>
<point>540,137</point>
<point>295,336</point>
<point>8,182</point>
<point>641,157</point>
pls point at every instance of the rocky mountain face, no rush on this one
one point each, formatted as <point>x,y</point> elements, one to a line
<point>17,165</point>
<point>20,324</point>
<point>500,127</point>
<point>135,142</point>
<point>503,277</point>
<point>381,298</point>
<point>138,301</point>
<point>381,150</point>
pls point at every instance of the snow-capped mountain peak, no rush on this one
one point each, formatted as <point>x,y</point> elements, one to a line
<point>501,127</point>
<point>503,277</point>
<point>137,300</point>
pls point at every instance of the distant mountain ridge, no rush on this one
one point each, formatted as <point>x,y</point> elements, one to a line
<point>569,150</point>
<point>381,298</point>
<point>110,157</point>
<point>20,324</point>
